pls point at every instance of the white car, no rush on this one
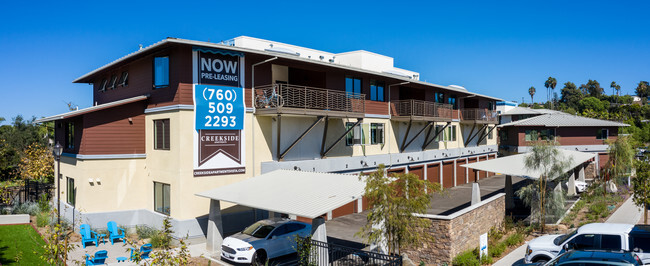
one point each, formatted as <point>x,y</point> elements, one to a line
<point>265,239</point>
<point>581,186</point>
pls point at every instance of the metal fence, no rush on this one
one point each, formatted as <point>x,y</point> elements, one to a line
<point>313,252</point>
<point>422,108</point>
<point>285,95</point>
<point>31,191</point>
<point>480,115</point>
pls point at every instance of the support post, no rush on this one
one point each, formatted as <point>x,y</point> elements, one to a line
<point>279,137</point>
<point>408,129</point>
<point>581,173</point>
<point>476,193</point>
<point>281,156</point>
<point>571,186</point>
<point>323,154</point>
<point>510,200</point>
<point>215,229</point>
<point>438,132</point>
<point>322,144</point>
<point>416,135</point>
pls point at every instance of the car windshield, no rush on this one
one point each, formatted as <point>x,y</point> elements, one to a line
<point>560,239</point>
<point>259,230</point>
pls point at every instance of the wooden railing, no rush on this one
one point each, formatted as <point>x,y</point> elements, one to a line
<point>479,115</point>
<point>292,96</point>
<point>422,108</point>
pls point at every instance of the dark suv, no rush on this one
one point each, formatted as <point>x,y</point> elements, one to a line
<point>596,258</point>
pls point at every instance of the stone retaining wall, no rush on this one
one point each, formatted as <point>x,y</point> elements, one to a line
<point>460,231</point>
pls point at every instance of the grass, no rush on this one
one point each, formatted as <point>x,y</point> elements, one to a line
<point>20,241</point>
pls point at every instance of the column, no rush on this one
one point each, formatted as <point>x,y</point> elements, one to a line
<point>571,186</point>
<point>510,201</point>
<point>581,172</point>
<point>476,193</point>
<point>215,229</point>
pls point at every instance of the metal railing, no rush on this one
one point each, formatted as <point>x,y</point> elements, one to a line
<point>422,108</point>
<point>313,252</point>
<point>479,115</point>
<point>285,95</point>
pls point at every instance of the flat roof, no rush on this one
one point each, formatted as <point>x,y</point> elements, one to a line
<point>91,109</point>
<point>306,194</point>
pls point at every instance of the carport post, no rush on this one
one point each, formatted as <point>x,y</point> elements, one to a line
<point>215,229</point>
<point>571,186</point>
<point>510,201</point>
<point>581,173</point>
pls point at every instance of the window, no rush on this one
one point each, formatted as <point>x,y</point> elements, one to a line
<point>531,135</point>
<point>71,191</point>
<point>450,133</point>
<point>376,133</point>
<point>161,197</point>
<point>161,72</point>
<point>354,136</point>
<point>610,242</point>
<point>503,135</point>
<point>491,106</point>
<point>69,136</point>
<point>584,242</point>
<point>490,132</point>
<point>161,134</point>
<point>124,79</point>
<point>547,134</point>
<point>376,91</point>
<point>452,100</point>
<point>602,133</point>
<point>439,97</point>
<point>113,83</point>
<point>281,230</point>
<point>352,86</point>
<point>102,85</point>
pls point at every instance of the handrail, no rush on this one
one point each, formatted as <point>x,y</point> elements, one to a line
<point>422,108</point>
<point>479,114</point>
<point>313,98</point>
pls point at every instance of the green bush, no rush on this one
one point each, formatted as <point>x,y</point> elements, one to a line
<point>514,239</point>
<point>43,219</point>
<point>43,203</point>
<point>160,240</point>
<point>486,260</point>
<point>497,250</point>
<point>467,258</point>
<point>30,208</point>
<point>599,209</point>
<point>144,231</point>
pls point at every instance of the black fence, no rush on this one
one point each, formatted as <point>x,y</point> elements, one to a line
<point>312,252</point>
<point>31,191</point>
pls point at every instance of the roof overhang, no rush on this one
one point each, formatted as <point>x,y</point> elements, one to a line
<point>91,109</point>
<point>514,165</point>
<point>306,194</point>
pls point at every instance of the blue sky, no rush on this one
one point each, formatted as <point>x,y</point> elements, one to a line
<point>497,48</point>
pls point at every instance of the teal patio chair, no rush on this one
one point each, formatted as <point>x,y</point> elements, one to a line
<point>144,252</point>
<point>88,235</point>
<point>115,232</point>
<point>99,258</point>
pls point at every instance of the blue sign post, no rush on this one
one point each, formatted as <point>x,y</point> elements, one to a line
<point>218,107</point>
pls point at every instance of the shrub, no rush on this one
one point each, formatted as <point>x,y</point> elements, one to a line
<point>30,208</point>
<point>467,258</point>
<point>43,219</point>
<point>486,260</point>
<point>497,250</point>
<point>43,203</point>
<point>598,209</point>
<point>144,231</point>
<point>514,239</point>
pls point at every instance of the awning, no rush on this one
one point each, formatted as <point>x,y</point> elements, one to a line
<point>514,165</point>
<point>306,194</point>
<point>91,109</point>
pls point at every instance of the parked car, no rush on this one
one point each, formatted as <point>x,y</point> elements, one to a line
<point>581,186</point>
<point>640,242</point>
<point>589,236</point>
<point>595,258</point>
<point>263,240</point>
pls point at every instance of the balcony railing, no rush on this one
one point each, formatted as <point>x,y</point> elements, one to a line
<point>292,96</point>
<point>422,108</point>
<point>475,114</point>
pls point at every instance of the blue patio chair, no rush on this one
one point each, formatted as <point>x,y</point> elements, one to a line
<point>88,235</point>
<point>99,258</point>
<point>144,252</point>
<point>115,232</point>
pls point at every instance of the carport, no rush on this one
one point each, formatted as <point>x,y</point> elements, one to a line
<point>514,165</point>
<point>305,194</point>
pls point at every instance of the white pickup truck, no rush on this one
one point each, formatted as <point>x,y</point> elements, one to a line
<point>599,236</point>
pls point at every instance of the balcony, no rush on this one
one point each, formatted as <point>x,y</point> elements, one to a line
<point>421,110</point>
<point>301,100</point>
<point>479,116</point>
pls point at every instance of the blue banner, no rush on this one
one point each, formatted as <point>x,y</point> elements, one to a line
<point>219,107</point>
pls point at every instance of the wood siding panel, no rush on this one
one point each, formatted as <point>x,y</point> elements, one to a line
<point>433,173</point>
<point>376,108</point>
<point>448,174</point>
<point>569,136</point>
<point>603,160</point>
<point>483,174</point>
<point>417,170</point>
<point>473,174</point>
<point>460,173</point>
<point>110,131</point>
<point>344,210</point>
<point>395,171</point>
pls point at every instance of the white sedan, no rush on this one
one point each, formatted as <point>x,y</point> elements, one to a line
<point>264,240</point>
<point>581,186</point>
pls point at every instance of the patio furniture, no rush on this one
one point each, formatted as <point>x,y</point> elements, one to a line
<point>88,235</point>
<point>121,259</point>
<point>144,252</point>
<point>99,258</point>
<point>115,232</point>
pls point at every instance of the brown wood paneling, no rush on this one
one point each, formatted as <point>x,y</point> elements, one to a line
<point>472,173</point>
<point>417,170</point>
<point>460,172</point>
<point>603,159</point>
<point>482,174</point>
<point>377,108</point>
<point>433,172</point>
<point>364,202</point>
<point>448,174</point>
<point>303,219</point>
<point>344,210</point>
<point>395,171</point>
<point>110,131</point>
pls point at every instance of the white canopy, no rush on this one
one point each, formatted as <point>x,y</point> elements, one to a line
<point>306,194</point>
<point>514,165</point>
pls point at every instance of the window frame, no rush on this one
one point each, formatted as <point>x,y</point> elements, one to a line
<point>102,85</point>
<point>70,196</point>
<point>124,79</point>
<point>351,138</point>
<point>490,132</point>
<point>375,93</point>
<point>439,97</point>
<point>166,134</point>
<point>165,83</point>
<point>599,133</point>
<point>113,82</point>
<point>453,100</point>
<point>164,209</point>
<point>353,90</point>
<point>69,136</point>
<point>528,135</point>
<point>377,131</point>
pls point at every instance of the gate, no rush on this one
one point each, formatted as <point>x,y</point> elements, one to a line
<point>312,252</point>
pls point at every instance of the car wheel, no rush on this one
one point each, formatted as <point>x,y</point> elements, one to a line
<point>259,258</point>
<point>541,261</point>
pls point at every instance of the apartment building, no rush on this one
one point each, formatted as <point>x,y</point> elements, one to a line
<point>180,117</point>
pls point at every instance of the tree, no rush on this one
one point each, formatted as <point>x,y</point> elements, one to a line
<point>617,88</point>
<point>641,186</point>
<point>394,200</point>
<point>643,89</point>
<point>571,95</point>
<point>37,163</point>
<point>621,154</point>
<point>592,103</point>
<point>551,82</point>
<point>531,91</point>
<point>592,88</point>
<point>546,159</point>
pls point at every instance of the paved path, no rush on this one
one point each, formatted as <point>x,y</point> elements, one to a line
<point>628,213</point>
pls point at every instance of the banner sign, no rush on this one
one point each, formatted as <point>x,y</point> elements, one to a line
<point>218,113</point>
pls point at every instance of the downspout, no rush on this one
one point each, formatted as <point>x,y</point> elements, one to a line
<point>253,104</point>
<point>390,155</point>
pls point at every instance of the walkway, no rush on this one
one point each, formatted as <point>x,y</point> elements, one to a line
<point>628,213</point>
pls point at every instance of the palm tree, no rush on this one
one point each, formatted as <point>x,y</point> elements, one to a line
<point>531,91</point>
<point>616,87</point>
<point>551,82</point>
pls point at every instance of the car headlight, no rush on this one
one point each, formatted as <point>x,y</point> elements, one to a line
<point>528,251</point>
<point>245,249</point>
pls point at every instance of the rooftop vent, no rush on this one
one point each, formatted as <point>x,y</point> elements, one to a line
<point>458,87</point>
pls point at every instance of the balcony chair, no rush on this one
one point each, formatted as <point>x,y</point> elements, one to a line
<point>144,252</point>
<point>115,232</point>
<point>99,258</point>
<point>88,235</point>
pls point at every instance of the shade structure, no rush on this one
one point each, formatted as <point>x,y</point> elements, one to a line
<point>514,165</point>
<point>306,194</point>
